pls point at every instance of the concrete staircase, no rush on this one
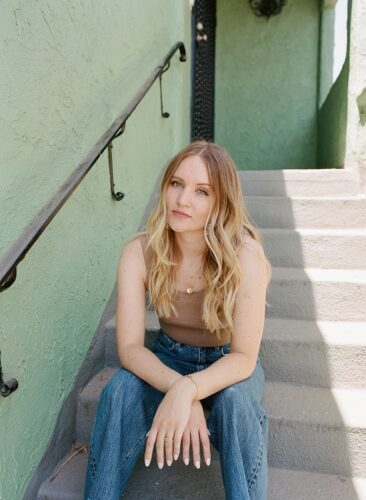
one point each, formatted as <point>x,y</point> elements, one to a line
<point>313,351</point>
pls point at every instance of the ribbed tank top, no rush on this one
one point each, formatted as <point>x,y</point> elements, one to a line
<point>187,327</point>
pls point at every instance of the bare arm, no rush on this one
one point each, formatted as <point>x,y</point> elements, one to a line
<point>130,323</point>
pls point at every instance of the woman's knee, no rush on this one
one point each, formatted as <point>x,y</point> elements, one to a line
<point>123,385</point>
<point>232,397</point>
<point>238,400</point>
<point>247,390</point>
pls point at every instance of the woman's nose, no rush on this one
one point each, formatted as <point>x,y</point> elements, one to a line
<point>184,197</point>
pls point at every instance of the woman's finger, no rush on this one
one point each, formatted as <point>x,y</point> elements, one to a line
<point>160,445</point>
<point>206,449</point>
<point>186,442</point>
<point>177,443</point>
<point>195,442</point>
<point>149,448</point>
<point>168,443</point>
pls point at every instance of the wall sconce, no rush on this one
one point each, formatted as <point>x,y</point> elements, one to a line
<point>267,8</point>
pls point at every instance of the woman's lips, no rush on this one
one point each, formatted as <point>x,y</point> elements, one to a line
<point>180,214</point>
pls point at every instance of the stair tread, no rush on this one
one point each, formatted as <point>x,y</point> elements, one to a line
<point>316,331</point>
<point>346,333</point>
<point>189,483</point>
<point>313,198</point>
<point>295,330</point>
<point>326,231</point>
<point>291,402</point>
<point>311,174</point>
<point>319,274</point>
<point>97,382</point>
<point>145,483</point>
<point>343,408</point>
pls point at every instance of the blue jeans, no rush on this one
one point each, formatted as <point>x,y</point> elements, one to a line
<point>237,423</point>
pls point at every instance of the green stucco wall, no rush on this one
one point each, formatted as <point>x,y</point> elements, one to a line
<point>67,70</point>
<point>266,84</point>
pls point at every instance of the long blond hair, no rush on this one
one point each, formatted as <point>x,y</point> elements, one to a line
<point>225,226</point>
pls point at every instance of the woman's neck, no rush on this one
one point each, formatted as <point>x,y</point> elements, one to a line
<point>189,247</point>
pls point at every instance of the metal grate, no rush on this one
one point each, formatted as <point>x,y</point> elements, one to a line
<point>203,74</point>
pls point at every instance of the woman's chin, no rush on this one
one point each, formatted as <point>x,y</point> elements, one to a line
<point>180,228</point>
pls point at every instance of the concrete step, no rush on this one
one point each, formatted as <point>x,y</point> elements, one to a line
<point>316,429</point>
<point>311,428</point>
<point>295,182</point>
<point>315,353</point>
<point>177,482</point>
<point>284,484</point>
<point>325,248</point>
<point>87,403</point>
<point>311,212</point>
<point>317,294</point>
<point>181,482</point>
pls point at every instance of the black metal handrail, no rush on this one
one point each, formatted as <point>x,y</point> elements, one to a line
<point>17,252</point>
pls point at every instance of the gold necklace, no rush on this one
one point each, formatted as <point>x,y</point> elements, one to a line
<point>190,289</point>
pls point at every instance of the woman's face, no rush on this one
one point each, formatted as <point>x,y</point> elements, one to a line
<point>189,191</point>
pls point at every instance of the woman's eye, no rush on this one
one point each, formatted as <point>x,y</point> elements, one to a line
<point>203,191</point>
<point>175,182</point>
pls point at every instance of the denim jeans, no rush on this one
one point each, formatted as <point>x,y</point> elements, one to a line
<point>237,423</point>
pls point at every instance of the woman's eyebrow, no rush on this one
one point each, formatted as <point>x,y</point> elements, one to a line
<point>198,183</point>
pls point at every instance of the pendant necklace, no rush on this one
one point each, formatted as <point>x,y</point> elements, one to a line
<point>191,289</point>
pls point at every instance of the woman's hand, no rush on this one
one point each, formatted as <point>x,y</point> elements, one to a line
<point>169,423</point>
<point>195,432</point>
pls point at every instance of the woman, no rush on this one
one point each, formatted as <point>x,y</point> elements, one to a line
<point>203,265</point>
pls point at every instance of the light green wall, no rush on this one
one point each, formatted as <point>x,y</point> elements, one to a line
<point>266,84</point>
<point>67,70</point>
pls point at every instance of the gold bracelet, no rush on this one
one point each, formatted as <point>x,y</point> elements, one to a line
<point>195,383</point>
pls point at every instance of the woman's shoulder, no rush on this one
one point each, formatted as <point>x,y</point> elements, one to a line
<point>137,241</point>
<point>248,240</point>
<point>136,245</point>
<point>253,261</point>
<point>250,248</point>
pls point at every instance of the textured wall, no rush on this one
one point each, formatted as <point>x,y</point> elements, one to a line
<point>266,84</point>
<point>356,118</point>
<point>67,70</point>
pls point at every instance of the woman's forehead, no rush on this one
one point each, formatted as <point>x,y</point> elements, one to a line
<point>193,169</point>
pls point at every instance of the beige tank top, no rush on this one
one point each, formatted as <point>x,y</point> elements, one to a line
<point>187,327</point>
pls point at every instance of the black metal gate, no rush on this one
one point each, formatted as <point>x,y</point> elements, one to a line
<point>203,69</point>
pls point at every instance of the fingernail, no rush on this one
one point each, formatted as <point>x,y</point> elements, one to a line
<point>160,465</point>
<point>208,461</point>
<point>175,457</point>
<point>169,462</point>
<point>147,434</point>
<point>197,464</point>
<point>147,462</point>
<point>209,433</point>
<point>186,461</point>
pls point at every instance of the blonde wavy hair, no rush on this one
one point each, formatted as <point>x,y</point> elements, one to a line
<point>225,227</point>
